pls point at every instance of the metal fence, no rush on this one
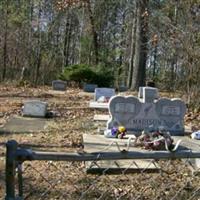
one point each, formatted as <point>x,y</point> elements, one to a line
<point>59,175</point>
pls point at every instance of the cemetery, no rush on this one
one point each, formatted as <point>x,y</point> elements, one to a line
<point>99,100</point>
<point>74,130</point>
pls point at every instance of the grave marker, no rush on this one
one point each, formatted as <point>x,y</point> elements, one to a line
<point>148,94</point>
<point>59,85</point>
<point>89,87</point>
<point>104,92</point>
<point>34,108</point>
<point>137,116</point>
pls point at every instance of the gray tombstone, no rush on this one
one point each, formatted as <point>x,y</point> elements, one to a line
<point>122,88</point>
<point>106,93</point>
<point>34,108</point>
<point>148,94</point>
<point>122,109</point>
<point>89,87</point>
<point>137,116</point>
<point>171,114</point>
<point>59,85</point>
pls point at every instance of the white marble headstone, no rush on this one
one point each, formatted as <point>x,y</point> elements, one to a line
<point>34,108</point>
<point>59,85</point>
<point>137,116</point>
<point>104,92</point>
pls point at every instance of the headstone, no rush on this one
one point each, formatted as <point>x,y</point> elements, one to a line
<point>106,93</point>
<point>148,94</point>
<point>137,116</point>
<point>171,113</point>
<point>59,85</point>
<point>34,108</point>
<point>89,87</point>
<point>122,88</point>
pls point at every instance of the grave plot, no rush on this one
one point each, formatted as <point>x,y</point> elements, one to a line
<point>101,98</point>
<point>17,124</point>
<point>136,115</point>
<point>98,144</point>
<point>33,120</point>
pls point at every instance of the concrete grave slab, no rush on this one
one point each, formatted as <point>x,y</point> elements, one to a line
<point>191,144</point>
<point>18,124</point>
<point>59,85</point>
<point>99,105</point>
<point>137,116</point>
<point>34,108</point>
<point>101,117</point>
<point>98,143</point>
<point>56,92</point>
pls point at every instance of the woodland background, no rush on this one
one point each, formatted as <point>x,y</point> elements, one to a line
<point>132,40</point>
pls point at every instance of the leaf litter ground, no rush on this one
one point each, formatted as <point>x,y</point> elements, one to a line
<point>64,133</point>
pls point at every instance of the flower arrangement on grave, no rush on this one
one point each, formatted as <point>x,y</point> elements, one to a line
<point>118,132</point>
<point>103,99</point>
<point>155,140</point>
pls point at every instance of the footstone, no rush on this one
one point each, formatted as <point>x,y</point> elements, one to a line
<point>34,108</point>
<point>18,124</point>
<point>137,116</point>
<point>107,93</point>
<point>59,85</point>
<point>89,87</point>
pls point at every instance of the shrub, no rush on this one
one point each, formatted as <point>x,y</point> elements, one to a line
<point>85,74</point>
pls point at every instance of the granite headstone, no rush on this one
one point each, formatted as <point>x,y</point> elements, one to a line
<point>34,108</point>
<point>59,85</point>
<point>89,87</point>
<point>136,115</point>
<point>148,94</point>
<point>106,93</point>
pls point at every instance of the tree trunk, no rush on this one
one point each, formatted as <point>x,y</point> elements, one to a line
<point>39,54</point>
<point>68,32</point>
<point>132,53</point>
<point>94,33</point>
<point>140,57</point>
<point>5,56</point>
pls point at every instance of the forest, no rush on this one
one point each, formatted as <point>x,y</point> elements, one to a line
<point>130,41</point>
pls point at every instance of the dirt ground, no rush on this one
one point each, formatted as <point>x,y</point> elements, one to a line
<point>64,133</point>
